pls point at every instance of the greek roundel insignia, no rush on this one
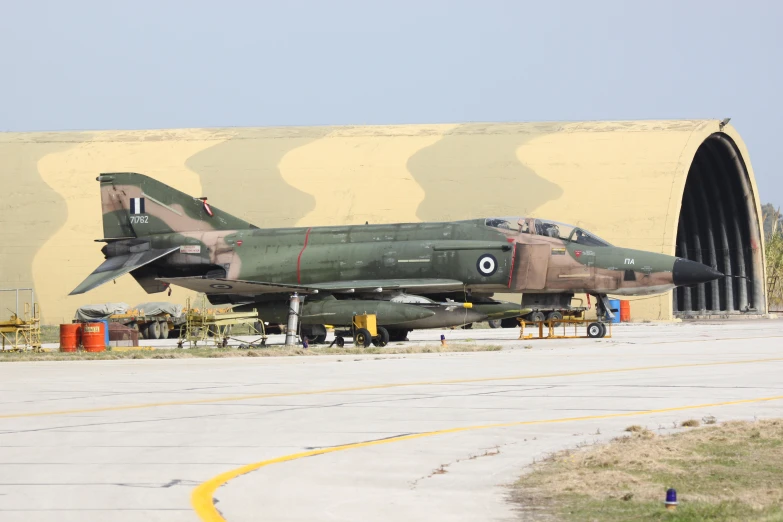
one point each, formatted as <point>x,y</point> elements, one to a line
<point>487,265</point>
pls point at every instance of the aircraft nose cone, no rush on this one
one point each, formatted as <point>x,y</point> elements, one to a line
<point>686,272</point>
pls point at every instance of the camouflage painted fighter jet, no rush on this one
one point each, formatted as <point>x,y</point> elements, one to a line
<point>411,275</point>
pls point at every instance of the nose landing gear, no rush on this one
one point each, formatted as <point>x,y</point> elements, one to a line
<point>596,330</point>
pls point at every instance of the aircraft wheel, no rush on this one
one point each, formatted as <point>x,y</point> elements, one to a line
<point>315,339</point>
<point>509,323</point>
<point>594,330</point>
<point>603,330</point>
<point>339,341</point>
<point>362,338</point>
<point>153,330</point>
<point>398,335</point>
<point>383,337</point>
<point>536,317</point>
<point>468,326</point>
<point>555,317</point>
<point>494,323</point>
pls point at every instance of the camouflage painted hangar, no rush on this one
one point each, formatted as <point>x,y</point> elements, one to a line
<point>675,187</point>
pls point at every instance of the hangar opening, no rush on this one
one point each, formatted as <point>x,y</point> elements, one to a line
<point>718,226</point>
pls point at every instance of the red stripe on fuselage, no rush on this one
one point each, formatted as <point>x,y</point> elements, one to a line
<point>299,259</point>
<point>511,271</point>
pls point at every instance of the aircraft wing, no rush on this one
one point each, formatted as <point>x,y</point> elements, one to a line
<point>116,266</point>
<point>381,285</point>
<point>234,286</point>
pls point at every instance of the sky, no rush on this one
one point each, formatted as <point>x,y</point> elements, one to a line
<point>90,65</point>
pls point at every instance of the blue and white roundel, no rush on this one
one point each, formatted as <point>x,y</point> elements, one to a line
<point>487,265</point>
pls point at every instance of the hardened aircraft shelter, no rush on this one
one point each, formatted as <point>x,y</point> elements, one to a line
<point>677,187</point>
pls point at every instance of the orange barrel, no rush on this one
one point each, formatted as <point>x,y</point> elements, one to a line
<point>94,337</point>
<point>70,337</point>
<point>625,311</point>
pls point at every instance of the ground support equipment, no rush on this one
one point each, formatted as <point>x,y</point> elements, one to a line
<point>209,327</point>
<point>565,328</point>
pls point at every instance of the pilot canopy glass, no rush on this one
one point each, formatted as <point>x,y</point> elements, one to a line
<point>542,227</point>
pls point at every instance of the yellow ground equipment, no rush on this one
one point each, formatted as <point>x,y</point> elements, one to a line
<point>365,332</point>
<point>208,326</point>
<point>364,329</point>
<point>366,321</point>
<point>565,328</point>
<point>23,332</point>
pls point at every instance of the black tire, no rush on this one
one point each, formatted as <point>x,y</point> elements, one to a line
<point>603,330</point>
<point>164,331</point>
<point>536,317</point>
<point>398,336</point>
<point>494,323</point>
<point>339,341</point>
<point>153,330</point>
<point>382,339</point>
<point>212,330</point>
<point>315,339</point>
<point>555,317</point>
<point>362,338</point>
<point>142,330</point>
<point>594,330</point>
<point>468,326</point>
<point>509,323</point>
<point>259,326</point>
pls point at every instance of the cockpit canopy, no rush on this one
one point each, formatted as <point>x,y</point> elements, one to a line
<point>541,227</point>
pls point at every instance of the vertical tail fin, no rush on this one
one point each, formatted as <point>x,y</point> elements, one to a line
<point>135,205</point>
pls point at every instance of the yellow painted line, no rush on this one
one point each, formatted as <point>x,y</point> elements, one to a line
<point>202,498</point>
<point>238,398</point>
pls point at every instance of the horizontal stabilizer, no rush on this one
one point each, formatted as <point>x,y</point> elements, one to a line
<point>232,286</point>
<point>116,266</point>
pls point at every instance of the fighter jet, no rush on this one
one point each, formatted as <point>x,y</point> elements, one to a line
<point>411,275</point>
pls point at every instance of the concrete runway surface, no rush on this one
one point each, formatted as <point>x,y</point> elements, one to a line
<point>356,438</point>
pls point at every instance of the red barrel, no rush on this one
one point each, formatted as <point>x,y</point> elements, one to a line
<point>625,311</point>
<point>70,337</point>
<point>94,337</point>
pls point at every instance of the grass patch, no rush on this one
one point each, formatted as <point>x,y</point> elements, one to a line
<point>50,333</point>
<point>273,351</point>
<point>727,472</point>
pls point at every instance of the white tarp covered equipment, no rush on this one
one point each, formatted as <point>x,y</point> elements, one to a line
<point>159,308</point>
<point>99,311</point>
